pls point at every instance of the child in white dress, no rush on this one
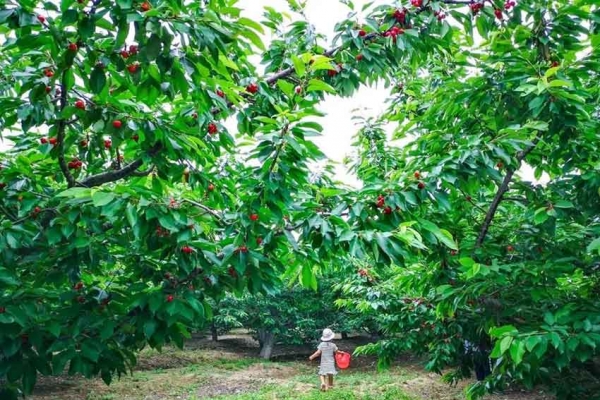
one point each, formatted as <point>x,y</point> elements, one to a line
<point>326,350</point>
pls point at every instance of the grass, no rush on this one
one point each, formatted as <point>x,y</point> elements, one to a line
<point>209,373</point>
<point>221,376</point>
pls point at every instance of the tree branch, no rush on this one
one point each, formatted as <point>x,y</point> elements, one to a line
<point>60,137</point>
<point>100,179</point>
<point>279,148</point>
<point>501,190</point>
<point>205,208</point>
<point>112,176</point>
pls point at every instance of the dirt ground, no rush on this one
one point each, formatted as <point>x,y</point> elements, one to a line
<point>229,370</point>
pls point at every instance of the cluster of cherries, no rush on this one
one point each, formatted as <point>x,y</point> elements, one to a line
<point>75,164</point>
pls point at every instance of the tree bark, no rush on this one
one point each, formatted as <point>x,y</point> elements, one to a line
<point>267,344</point>
<point>214,333</point>
<point>344,335</point>
<point>500,193</point>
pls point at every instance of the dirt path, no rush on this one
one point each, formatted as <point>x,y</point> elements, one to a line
<point>229,370</point>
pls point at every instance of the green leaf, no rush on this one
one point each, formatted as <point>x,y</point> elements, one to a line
<point>555,339</point>
<point>102,198</point>
<point>315,85</point>
<point>503,330</point>
<point>86,28</point>
<point>549,318</point>
<point>308,278</point>
<point>108,329</point>
<point>29,378</point>
<point>97,80</point>
<point>517,350</point>
<point>90,350</point>
<point>298,66</point>
<point>150,328</point>
<point>563,204</point>
<point>531,342</point>
<point>595,245</point>
<point>153,47</point>
<point>131,214</point>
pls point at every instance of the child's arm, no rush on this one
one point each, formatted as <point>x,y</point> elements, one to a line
<point>317,354</point>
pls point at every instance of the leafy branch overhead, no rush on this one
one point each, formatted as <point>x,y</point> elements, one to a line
<point>129,205</point>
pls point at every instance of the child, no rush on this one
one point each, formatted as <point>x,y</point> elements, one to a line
<point>326,350</point>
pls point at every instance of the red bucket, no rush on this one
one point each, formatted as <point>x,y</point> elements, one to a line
<point>342,359</point>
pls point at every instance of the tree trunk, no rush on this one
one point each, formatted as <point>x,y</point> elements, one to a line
<point>214,333</point>
<point>267,344</point>
<point>344,335</point>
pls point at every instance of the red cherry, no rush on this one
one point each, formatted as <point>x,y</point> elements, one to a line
<point>43,140</point>
<point>254,217</point>
<point>259,241</point>
<point>380,202</point>
<point>133,49</point>
<point>453,252</point>
<point>500,164</point>
<point>243,249</point>
<point>2,310</point>
<point>132,68</point>
<point>468,198</point>
<point>72,46</point>
<point>124,54</point>
<point>107,143</point>
<point>220,93</point>
<point>400,16</point>
<point>48,89</point>
<point>498,13</point>
<point>187,250</point>
<point>170,298</point>
<point>145,6</point>
<point>298,89</point>
<point>362,33</point>
<point>252,88</point>
<point>332,72</point>
<point>117,124</point>
<point>41,18</point>
<point>387,210</point>
<point>555,64</point>
<point>417,174</point>
<point>52,141</point>
<point>232,272</point>
<point>136,137</point>
<point>359,57</point>
<point>212,128</point>
<point>510,248</point>
<point>48,73</point>
<point>83,143</point>
<point>211,187</point>
<point>81,299</point>
<point>416,3</point>
<point>78,286</point>
<point>195,115</point>
<point>37,210</point>
<point>80,104</point>
<point>421,185</point>
<point>2,185</point>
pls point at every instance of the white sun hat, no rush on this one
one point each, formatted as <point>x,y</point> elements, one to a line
<point>327,335</point>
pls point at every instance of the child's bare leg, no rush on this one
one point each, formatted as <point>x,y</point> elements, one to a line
<point>323,382</point>
<point>330,379</point>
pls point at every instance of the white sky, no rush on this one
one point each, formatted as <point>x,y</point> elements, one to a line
<point>338,126</point>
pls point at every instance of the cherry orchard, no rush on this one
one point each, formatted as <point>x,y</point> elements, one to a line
<point>517,299</point>
<point>125,202</point>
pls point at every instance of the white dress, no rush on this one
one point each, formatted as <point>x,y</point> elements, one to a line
<point>328,350</point>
